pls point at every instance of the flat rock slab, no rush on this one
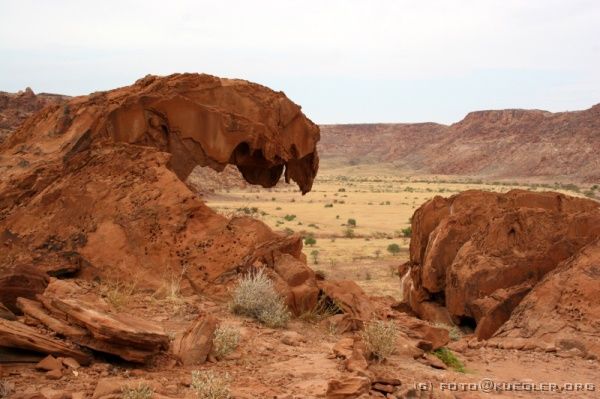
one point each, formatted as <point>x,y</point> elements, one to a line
<point>17,335</point>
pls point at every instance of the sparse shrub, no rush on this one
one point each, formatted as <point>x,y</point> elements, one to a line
<point>278,208</point>
<point>209,385</point>
<point>315,255</point>
<point>310,240</point>
<point>453,331</point>
<point>394,249</point>
<point>255,296</point>
<point>570,187</point>
<point>225,341</point>
<point>407,232</point>
<point>351,222</point>
<point>449,359</point>
<point>288,231</point>
<point>342,190</point>
<point>328,205</point>
<point>349,233</point>
<point>289,218</point>
<point>142,391</point>
<point>324,308</point>
<point>380,338</point>
<point>116,293</point>
<point>170,292</point>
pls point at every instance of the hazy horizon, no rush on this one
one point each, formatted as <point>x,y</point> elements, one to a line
<point>342,61</point>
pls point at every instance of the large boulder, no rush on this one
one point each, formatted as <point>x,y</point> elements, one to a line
<point>476,255</point>
<point>563,310</point>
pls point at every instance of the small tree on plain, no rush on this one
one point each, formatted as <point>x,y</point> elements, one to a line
<point>315,255</point>
<point>310,241</point>
<point>351,222</point>
<point>394,249</point>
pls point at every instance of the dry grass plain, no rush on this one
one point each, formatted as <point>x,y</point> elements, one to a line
<point>379,199</point>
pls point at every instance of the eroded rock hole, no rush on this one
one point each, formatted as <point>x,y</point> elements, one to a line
<point>467,322</point>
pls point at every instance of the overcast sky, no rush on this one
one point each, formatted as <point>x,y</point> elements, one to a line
<point>343,61</point>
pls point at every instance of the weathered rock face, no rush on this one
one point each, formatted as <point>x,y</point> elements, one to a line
<point>95,185</point>
<point>563,310</point>
<point>476,255</point>
<point>199,119</point>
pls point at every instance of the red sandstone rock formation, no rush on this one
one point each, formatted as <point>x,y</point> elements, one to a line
<point>476,255</point>
<point>94,187</point>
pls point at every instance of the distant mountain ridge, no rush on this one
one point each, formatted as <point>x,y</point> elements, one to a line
<point>507,143</point>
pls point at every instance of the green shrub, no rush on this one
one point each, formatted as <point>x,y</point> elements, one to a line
<point>407,232</point>
<point>209,385</point>
<point>449,359</point>
<point>255,296</point>
<point>310,240</point>
<point>351,222</point>
<point>289,218</point>
<point>380,338</point>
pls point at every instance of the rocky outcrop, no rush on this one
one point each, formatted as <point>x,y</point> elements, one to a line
<point>100,177</point>
<point>15,108</point>
<point>94,188</point>
<point>476,255</point>
<point>506,144</point>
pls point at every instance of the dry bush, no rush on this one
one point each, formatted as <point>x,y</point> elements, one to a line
<point>255,296</point>
<point>170,291</point>
<point>117,293</point>
<point>142,391</point>
<point>5,389</point>
<point>209,385</point>
<point>225,341</point>
<point>380,338</point>
<point>324,308</point>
